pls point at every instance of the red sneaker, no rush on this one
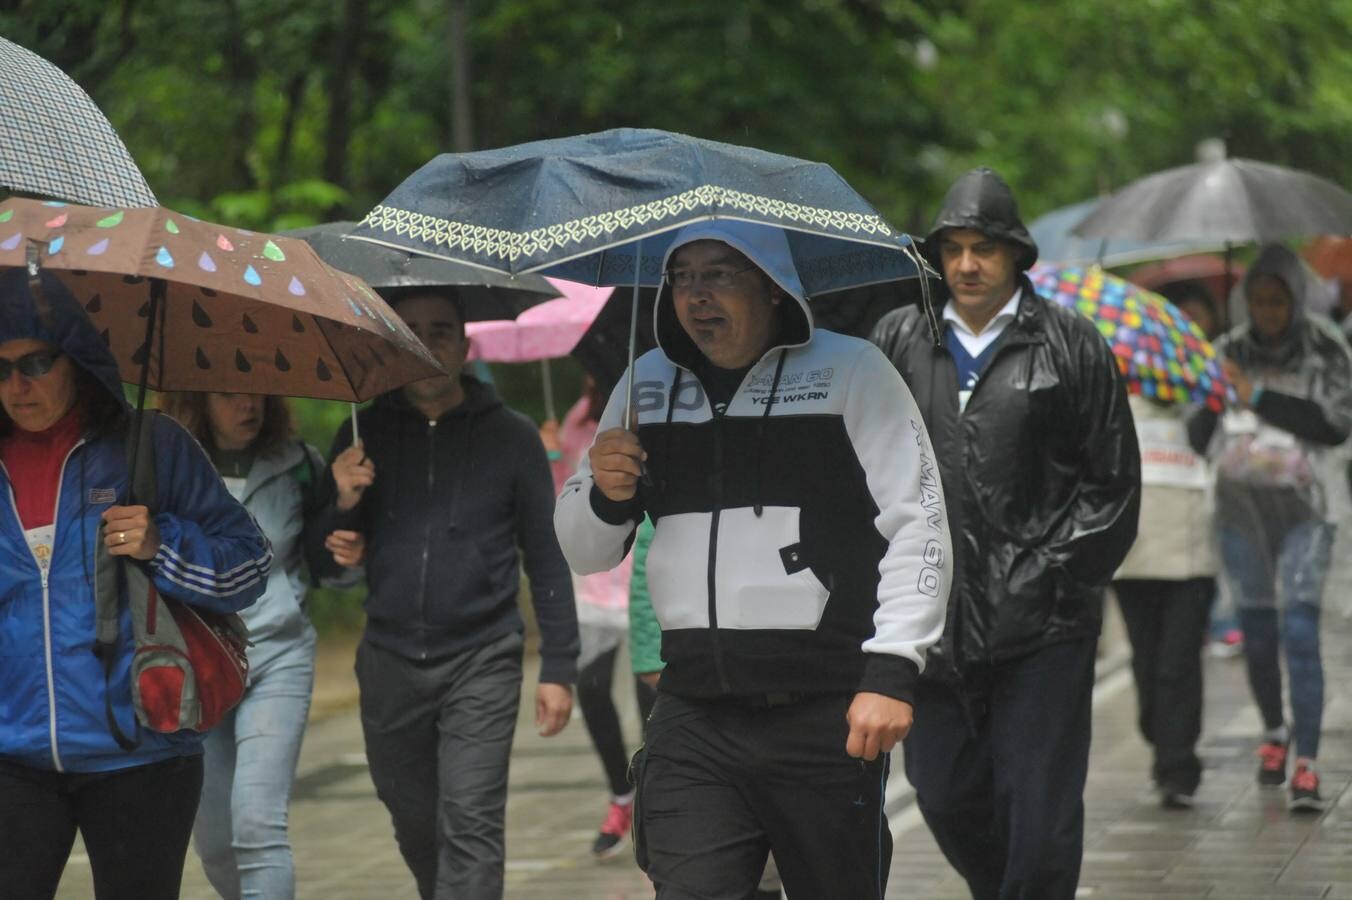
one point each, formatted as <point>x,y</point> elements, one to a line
<point>1305,791</point>
<point>1272,768</point>
<point>614,830</point>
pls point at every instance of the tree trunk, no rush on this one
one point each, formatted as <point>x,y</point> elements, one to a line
<point>338,82</point>
<point>462,113</point>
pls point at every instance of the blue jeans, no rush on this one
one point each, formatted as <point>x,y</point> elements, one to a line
<point>250,764</point>
<point>1289,567</point>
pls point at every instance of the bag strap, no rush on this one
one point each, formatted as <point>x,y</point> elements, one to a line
<point>110,572</point>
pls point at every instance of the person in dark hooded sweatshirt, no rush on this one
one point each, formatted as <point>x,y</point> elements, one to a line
<point>1292,377</point>
<point>445,485</point>
<point>1041,473</point>
<point>64,476</point>
<point>798,569</point>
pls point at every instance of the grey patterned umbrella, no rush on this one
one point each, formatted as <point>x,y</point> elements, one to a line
<point>55,141</point>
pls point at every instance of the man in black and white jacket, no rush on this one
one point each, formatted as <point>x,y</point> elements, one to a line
<point>799,569</point>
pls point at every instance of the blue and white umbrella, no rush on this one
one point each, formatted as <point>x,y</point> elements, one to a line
<point>589,208</point>
<point>602,209</point>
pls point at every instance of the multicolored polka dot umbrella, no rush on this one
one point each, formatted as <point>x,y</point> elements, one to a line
<point>1161,352</point>
<point>233,310</point>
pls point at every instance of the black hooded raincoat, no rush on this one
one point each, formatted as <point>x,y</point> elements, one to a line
<point>1041,471</point>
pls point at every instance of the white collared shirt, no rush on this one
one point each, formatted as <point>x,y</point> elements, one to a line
<point>974,343</point>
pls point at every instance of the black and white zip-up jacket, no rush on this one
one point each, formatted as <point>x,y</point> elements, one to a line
<point>801,542</point>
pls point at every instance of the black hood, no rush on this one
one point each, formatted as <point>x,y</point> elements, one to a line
<point>982,201</point>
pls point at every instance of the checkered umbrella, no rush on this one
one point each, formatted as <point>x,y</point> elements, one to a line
<point>55,141</point>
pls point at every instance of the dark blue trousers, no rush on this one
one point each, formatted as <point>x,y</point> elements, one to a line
<point>999,771</point>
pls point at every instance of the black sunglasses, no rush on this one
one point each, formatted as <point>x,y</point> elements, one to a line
<point>30,365</point>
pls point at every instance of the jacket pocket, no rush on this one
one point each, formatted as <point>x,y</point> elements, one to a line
<point>678,571</point>
<point>764,578</point>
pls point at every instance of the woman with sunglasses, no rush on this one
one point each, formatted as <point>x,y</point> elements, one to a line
<point>63,490</point>
<point>251,755</point>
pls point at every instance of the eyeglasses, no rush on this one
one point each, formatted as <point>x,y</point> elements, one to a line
<point>30,365</point>
<point>714,279</point>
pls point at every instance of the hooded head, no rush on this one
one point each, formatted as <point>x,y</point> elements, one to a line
<point>1276,292</point>
<point>65,326</point>
<point>982,201</point>
<point>758,302</point>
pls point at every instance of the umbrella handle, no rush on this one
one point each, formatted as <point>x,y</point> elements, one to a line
<point>633,343</point>
<point>356,435</point>
<point>547,377</point>
<point>158,289</point>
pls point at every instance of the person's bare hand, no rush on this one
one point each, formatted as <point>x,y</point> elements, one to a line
<point>130,531</point>
<point>877,723</point>
<point>616,463</point>
<point>1241,382</point>
<point>553,706</point>
<point>348,547</point>
<point>353,472</point>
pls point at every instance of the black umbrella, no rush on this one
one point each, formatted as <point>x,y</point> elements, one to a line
<point>1230,200</point>
<point>485,294</point>
<point>56,142</point>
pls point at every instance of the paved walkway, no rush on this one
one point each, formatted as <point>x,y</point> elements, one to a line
<point>1238,842</point>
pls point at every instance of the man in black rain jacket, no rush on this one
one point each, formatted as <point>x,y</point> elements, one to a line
<point>1041,474</point>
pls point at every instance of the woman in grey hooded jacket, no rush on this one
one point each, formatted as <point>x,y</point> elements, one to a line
<point>250,763</point>
<point>1292,375</point>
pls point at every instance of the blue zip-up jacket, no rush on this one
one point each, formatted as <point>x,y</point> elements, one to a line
<point>212,555</point>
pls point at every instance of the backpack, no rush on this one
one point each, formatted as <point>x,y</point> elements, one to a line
<point>189,666</point>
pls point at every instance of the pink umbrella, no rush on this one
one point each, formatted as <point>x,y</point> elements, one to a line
<point>546,331</point>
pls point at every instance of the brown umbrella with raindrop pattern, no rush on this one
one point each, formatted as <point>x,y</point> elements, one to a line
<point>232,310</point>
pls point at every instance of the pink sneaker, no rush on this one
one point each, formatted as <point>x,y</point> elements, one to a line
<point>614,830</point>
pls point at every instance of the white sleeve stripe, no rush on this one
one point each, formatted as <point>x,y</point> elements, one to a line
<point>208,591</point>
<point>169,565</point>
<point>186,566</point>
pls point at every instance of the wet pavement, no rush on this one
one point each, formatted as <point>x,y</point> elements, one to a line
<point>1239,841</point>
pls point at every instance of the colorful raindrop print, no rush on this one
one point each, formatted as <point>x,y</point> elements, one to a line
<point>283,364</point>
<point>12,241</point>
<point>55,246</point>
<point>164,258</point>
<point>224,243</point>
<point>252,277</point>
<point>6,215</point>
<point>57,222</point>
<point>241,363</point>
<point>110,221</point>
<point>355,308</point>
<point>99,248</point>
<point>295,287</point>
<point>206,263</point>
<point>171,226</point>
<point>273,252</point>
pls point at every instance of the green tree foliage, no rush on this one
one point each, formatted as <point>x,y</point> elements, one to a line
<point>273,114</point>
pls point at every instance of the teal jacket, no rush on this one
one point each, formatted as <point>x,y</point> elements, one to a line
<point>645,635</point>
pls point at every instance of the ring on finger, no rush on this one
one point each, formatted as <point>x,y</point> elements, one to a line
<point>121,537</point>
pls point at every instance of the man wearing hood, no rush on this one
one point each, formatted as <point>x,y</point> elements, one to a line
<point>1292,377</point>
<point>798,569</point>
<point>445,486</point>
<point>1041,471</point>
